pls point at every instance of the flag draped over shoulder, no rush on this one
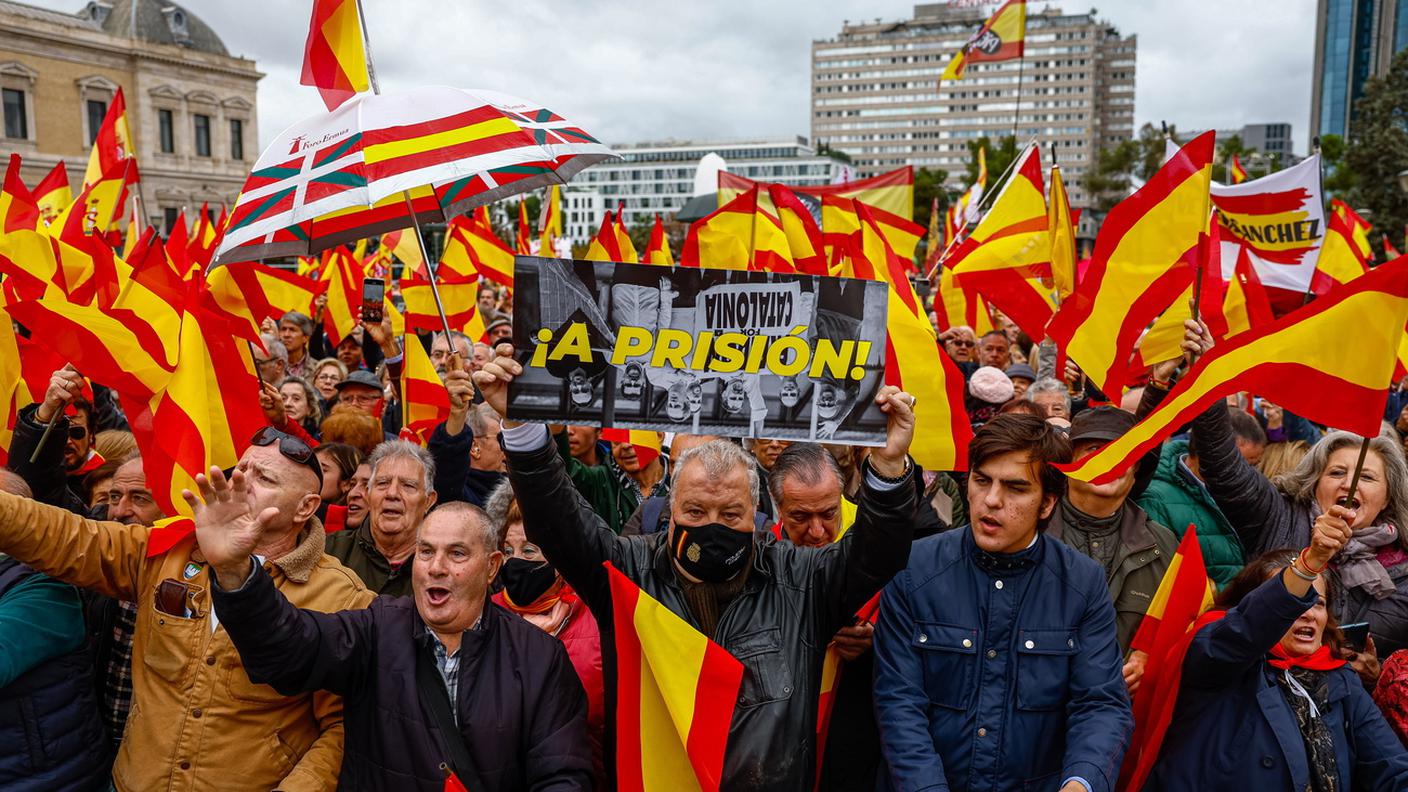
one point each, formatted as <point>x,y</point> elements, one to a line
<point>334,61</point>
<point>1140,265</point>
<point>1010,248</point>
<point>675,694</point>
<point>1183,596</point>
<point>1299,362</point>
<point>1002,37</point>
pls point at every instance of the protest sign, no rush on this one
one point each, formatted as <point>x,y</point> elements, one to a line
<point>700,351</point>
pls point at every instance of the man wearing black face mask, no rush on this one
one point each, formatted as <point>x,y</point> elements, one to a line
<point>774,606</point>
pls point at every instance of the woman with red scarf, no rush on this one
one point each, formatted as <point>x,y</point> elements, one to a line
<point>533,589</point>
<point>1266,700</point>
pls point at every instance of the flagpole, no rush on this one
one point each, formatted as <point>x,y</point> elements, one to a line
<point>1320,175</point>
<point>988,195</point>
<point>1358,469</point>
<point>367,49</point>
<point>1016,113</point>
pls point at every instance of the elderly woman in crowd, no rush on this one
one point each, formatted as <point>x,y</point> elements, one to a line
<point>533,589</point>
<point>326,375</point>
<point>1368,579</point>
<point>301,404</point>
<point>1266,700</point>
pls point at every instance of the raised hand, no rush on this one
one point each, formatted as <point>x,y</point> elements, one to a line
<point>1197,340</point>
<point>898,406</point>
<point>226,529</point>
<point>65,385</point>
<point>272,403</point>
<point>1329,535</point>
<point>494,377</point>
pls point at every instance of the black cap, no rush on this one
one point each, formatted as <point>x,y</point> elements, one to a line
<point>1101,423</point>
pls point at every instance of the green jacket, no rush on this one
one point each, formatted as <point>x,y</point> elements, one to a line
<point>604,486</point>
<point>1176,499</point>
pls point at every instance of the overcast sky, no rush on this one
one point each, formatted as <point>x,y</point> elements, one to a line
<point>635,70</point>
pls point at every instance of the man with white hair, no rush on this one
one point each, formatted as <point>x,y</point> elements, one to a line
<point>400,490</point>
<point>444,678</point>
<point>273,366</point>
<point>773,605</point>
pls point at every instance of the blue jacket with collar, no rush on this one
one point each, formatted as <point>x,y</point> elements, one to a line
<point>959,709</point>
<point>1232,727</point>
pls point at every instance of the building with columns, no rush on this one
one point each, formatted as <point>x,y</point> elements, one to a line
<point>190,103</point>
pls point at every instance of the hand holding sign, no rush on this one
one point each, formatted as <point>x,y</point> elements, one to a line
<point>493,380</point>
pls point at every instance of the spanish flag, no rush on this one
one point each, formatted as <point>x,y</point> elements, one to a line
<point>645,443</point>
<point>1299,362</point>
<point>1141,264</point>
<point>1183,596</point>
<point>840,219</point>
<point>804,238</point>
<point>891,192</point>
<point>19,211</point>
<point>488,254</point>
<point>550,222</point>
<point>14,396</point>
<point>960,307</point>
<point>1001,38</point>
<point>425,403</point>
<point>254,292</point>
<point>1239,174</point>
<point>738,235</point>
<point>1063,235</point>
<point>1010,247</point>
<point>53,194</point>
<point>333,58</point>
<point>523,244</point>
<point>457,259</point>
<point>458,297</point>
<point>657,250</point>
<point>1342,257</point>
<point>404,245</point>
<point>675,694</point>
<point>344,290</point>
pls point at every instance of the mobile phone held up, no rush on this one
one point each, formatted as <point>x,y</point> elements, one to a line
<point>1355,635</point>
<point>373,297</point>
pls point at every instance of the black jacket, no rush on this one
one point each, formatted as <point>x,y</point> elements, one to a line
<point>794,601</point>
<point>521,708</point>
<point>45,476</point>
<point>455,480</point>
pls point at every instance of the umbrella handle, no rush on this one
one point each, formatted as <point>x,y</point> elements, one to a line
<point>435,290</point>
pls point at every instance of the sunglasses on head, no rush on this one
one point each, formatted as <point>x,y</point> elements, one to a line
<point>291,447</point>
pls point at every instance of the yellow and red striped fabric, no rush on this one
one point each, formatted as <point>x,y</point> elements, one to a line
<point>657,250</point>
<point>960,307</point>
<point>1002,37</point>
<point>425,403</point>
<point>550,222</point>
<point>53,193</point>
<point>623,239</point>
<point>804,238</point>
<point>644,442</point>
<point>475,250</point>
<point>738,235</point>
<point>251,292</point>
<point>1140,265</point>
<point>891,192</point>
<point>840,220</point>
<point>1010,247</point>
<point>333,59</point>
<point>1063,236</point>
<point>14,396</point>
<point>675,694</point>
<point>461,308</point>
<point>1343,257</point>
<point>524,242</point>
<point>344,290</point>
<point>1184,595</point>
<point>1298,361</point>
<point>1239,174</point>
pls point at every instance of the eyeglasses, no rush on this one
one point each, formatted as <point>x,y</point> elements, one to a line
<point>359,399</point>
<point>291,447</point>
<point>76,432</point>
<point>962,343</point>
<point>331,376</point>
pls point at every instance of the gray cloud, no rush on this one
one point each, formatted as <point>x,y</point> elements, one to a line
<point>629,70</point>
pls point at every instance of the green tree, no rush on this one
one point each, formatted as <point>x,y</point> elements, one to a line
<point>928,185</point>
<point>1378,148</point>
<point>1108,181</point>
<point>1339,178</point>
<point>998,157</point>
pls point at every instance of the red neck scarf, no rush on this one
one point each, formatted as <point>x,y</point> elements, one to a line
<point>1318,660</point>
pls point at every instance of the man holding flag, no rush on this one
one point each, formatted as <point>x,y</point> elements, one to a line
<point>772,606</point>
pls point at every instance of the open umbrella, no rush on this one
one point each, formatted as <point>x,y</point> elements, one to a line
<point>350,174</point>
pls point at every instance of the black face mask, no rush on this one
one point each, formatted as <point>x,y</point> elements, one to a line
<point>525,581</point>
<point>712,552</point>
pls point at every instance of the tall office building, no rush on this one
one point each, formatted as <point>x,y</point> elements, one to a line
<point>875,91</point>
<point>1354,41</point>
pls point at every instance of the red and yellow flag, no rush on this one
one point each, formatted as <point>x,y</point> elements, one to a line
<point>1063,236</point>
<point>806,244</point>
<point>675,694</point>
<point>1298,361</point>
<point>19,211</point>
<point>1140,265</point>
<point>461,308</point>
<point>840,220</point>
<point>1001,38</point>
<point>956,306</point>
<point>1238,173</point>
<point>1342,255</point>
<point>1183,596</point>
<point>657,250</point>
<point>738,235</point>
<point>550,222</point>
<point>406,248</point>
<point>523,244</point>
<point>53,194</point>
<point>644,442</point>
<point>113,144</point>
<point>891,192</point>
<point>474,250</point>
<point>11,386</point>
<point>1010,248</point>
<point>344,290</point>
<point>425,403</point>
<point>334,61</point>
<point>254,292</point>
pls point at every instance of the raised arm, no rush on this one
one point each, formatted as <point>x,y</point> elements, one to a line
<point>46,475</point>
<point>1257,510</point>
<point>556,517</point>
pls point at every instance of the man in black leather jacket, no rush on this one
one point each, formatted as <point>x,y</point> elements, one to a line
<point>774,606</point>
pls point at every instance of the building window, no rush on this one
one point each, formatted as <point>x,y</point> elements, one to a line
<point>97,111</point>
<point>236,139</point>
<point>167,122</point>
<point>202,135</point>
<point>170,215</point>
<point>16,121</point>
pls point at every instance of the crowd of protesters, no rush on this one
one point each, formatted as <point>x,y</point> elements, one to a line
<point>352,610</point>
